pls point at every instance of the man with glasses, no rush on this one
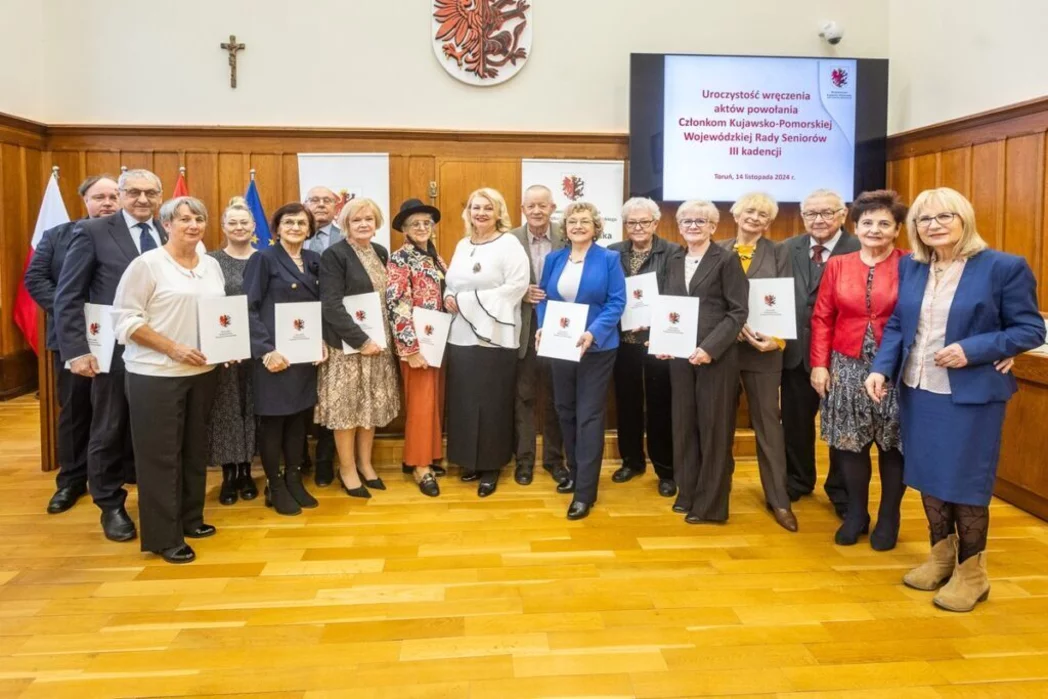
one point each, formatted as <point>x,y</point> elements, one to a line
<point>823,212</point>
<point>99,252</point>
<point>539,238</point>
<point>642,382</point>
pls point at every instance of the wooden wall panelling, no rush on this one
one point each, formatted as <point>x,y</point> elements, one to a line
<point>70,175</point>
<point>955,170</point>
<point>269,177</point>
<point>232,182</point>
<point>140,160</point>
<point>203,168</point>
<point>165,166</point>
<point>1042,288</point>
<point>987,190</point>
<point>924,173</point>
<point>1023,192</point>
<point>99,162</point>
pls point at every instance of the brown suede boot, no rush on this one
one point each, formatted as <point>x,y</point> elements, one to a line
<point>937,569</point>
<point>968,586</point>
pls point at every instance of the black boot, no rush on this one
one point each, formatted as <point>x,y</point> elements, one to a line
<point>277,495</point>
<point>293,478</point>
<point>227,494</point>
<point>245,483</point>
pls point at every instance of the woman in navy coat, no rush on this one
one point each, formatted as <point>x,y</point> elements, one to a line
<point>963,311</point>
<point>285,393</point>
<point>584,273</point>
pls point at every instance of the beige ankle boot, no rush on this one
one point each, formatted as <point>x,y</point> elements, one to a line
<point>937,569</point>
<point>968,586</point>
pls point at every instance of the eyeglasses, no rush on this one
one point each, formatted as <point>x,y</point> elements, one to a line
<point>826,214</point>
<point>420,225</point>
<point>640,224</point>
<point>136,193</point>
<point>944,219</point>
<point>321,200</point>
<point>693,222</point>
<point>579,222</point>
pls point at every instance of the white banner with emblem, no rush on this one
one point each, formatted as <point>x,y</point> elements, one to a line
<point>349,175</point>
<point>599,182</point>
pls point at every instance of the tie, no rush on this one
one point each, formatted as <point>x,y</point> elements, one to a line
<point>816,254</point>
<point>145,241</point>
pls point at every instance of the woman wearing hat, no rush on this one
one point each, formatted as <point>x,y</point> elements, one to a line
<point>415,276</point>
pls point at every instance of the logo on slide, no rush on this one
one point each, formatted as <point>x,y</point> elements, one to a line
<point>299,324</point>
<point>360,315</point>
<point>94,328</point>
<point>564,322</point>
<point>638,294</point>
<point>573,187</point>
<point>769,300</point>
<point>344,197</point>
<point>428,330</point>
<point>224,321</point>
<point>481,42</point>
<point>839,77</point>
<point>674,317</point>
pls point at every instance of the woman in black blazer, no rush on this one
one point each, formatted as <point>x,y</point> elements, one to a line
<point>357,391</point>
<point>706,384</point>
<point>285,393</point>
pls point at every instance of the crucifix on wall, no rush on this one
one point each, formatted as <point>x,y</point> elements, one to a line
<point>232,47</point>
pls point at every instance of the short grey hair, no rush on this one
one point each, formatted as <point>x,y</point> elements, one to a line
<point>128,174</point>
<point>170,207</point>
<point>708,208</point>
<point>824,193</point>
<point>643,203</point>
<point>539,188</point>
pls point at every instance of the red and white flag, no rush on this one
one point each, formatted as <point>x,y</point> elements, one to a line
<point>52,213</point>
<point>181,190</point>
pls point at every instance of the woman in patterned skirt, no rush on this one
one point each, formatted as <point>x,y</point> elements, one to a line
<point>231,433</point>
<point>856,298</point>
<point>356,392</point>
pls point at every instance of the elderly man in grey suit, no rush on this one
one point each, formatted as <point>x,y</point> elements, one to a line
<point>539,238</point>
<point>823,212</point>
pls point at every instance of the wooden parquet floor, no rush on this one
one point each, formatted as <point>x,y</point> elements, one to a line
<point>407,597</point>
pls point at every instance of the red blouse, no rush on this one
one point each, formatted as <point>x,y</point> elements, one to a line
<point>839,320</point>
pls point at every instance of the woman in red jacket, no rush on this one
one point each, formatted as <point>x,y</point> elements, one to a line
<point>856,298</point>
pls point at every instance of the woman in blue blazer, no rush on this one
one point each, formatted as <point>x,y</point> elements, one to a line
<point>584,273</point>
<point>963,311</point>
<point>285,394</point>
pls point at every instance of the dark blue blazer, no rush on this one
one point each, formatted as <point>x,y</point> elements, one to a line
<point>272,277</point>
<point>41,276</point>
<point>993,316</point>
<point>602,288</point>
<point>100,249</point>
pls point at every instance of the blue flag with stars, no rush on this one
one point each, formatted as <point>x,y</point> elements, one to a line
<point>261,240</point>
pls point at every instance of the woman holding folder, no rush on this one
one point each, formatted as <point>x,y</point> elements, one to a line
<point>706,383</point>
<point>416,280</point>
<point>584,273</point>
<point>358,389</point>
<point>285,393</point>
<point>170,386</point>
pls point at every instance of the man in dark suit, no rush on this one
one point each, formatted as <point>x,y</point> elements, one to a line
<point>100,197</point>
<point>539,238</point>
<point>824,213</point>
<point>99,252</point>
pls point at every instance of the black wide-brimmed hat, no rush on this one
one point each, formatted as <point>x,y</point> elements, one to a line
<point>414,206</point>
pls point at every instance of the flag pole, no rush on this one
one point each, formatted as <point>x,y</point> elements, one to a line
<point>54,171</point>
<point>182,170</point>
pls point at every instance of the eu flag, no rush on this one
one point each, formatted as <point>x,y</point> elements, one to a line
<point>254,202</point>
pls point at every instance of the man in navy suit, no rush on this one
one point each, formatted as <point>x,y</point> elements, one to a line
<point>74,392</point>
<point>99,252</point>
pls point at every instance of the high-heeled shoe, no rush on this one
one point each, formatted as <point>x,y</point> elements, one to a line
<point>849,532</point>
<point>359,492</point>
<point>375,483</point>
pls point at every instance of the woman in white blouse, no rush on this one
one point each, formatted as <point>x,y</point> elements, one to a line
<point>486,281</point>
<point>170,385</point>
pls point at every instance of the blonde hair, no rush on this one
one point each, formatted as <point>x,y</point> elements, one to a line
<point>576,206</point>
<point>351,207</point>
<point>502,222</point>
<point>756,200</point>
<point>706,207</point>
<point>954,202</point>
<point>237,204</point>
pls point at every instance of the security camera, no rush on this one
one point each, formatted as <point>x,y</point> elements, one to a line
<point>832,33</point>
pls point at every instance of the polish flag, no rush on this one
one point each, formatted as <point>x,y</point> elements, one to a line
<point>52,213</point>
<point>181,190</point>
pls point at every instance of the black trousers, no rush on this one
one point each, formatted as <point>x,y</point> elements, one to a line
<point>169,419</point>
<point>642,403</point>
<point>535,386</point>
<point>74,425</point>
<point>580,390</point>
<point>110,456</point>
<point>800,405</point>
<point>282,435</point>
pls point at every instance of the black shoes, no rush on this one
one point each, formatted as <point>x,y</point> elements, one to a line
<point>885,535</point>
<point>566,486</point>
<point>64,498</point>
<point>177,554</point>
<point>435,467</point>
<point>524,474</point>
<point>293,479</point>
<point>667,488</point>
<point>428,485</point>
<point>358,492</point>
<point>625,473</point>
<point>469,476</point>
<point>280,499</point>
<point>374,483</point>
<point>679,509</point>
<point>201,532</point>
<point>578,510</point>
<point>489,482</point>
<point>324,474</point>
<point>117,525</point>
<point>227,494</point>
<point>850,531</point>
<point>245,483</point>
<point>558,472</point>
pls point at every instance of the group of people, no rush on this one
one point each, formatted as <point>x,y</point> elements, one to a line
<point>908,351</point>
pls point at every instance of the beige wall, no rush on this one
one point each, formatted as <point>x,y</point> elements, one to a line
<point>954,58</point>
<point>22,60</point>
<point>369,63</point>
